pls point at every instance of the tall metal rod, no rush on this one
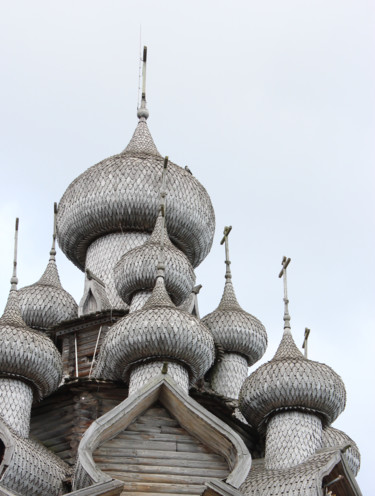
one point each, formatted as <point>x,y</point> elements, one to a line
<point>96,347</point>
<point>14,280</point>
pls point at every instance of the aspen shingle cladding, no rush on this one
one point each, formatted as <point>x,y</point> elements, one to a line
<point>305,479</point>
<point>155,454</point>
<point>121,193</point>
<point>136,270</point>
<point>45,303</point>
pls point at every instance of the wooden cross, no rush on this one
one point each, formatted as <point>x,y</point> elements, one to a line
<point>227,230</point>
<point>305,341</point>
<point>285,262</point>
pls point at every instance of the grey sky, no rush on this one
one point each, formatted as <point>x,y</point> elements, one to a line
<point>271,104</point>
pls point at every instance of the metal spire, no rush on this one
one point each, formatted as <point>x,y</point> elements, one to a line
<point>285,262</point>
<point>14,280</point>
<point>228,273</point>
<point>163,194</point>
<point>52,253</point>
<point>142,111</point>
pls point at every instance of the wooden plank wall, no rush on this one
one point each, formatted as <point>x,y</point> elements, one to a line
<point>86,341</point>
<point>156,455</point>
<point>60,420</point>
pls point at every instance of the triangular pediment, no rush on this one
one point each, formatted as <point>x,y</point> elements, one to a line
<point>159,440</point>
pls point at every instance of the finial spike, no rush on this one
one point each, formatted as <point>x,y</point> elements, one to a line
<point>52,253</point>
<point>142,110</point>
<point>285,262</point>
<point>14,280</point>
<point>227,230</point>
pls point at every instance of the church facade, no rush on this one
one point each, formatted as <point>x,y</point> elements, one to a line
<point>131,391</point>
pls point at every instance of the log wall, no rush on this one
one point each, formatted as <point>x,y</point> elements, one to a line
<point>155,455</point>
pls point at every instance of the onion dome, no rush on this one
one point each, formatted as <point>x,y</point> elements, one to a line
<point>232,328</point>
<point>120,194</point>
<point>45,303</point>
<point>334,437</point>
<point>26,353</point>
<point>291,382</point>
<point>158,331</point>
<point>136,270</point>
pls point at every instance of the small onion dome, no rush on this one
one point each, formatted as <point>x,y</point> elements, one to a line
<point>334,437</point>
<point>45,303</point>
<point>121,194</point>
<point>158,331</point>
<point>236,330</point>
<point>291,382</point>
<point>136,270</point>
<point>27,354</point>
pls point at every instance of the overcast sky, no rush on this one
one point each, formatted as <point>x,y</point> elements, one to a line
<point>271,105</point>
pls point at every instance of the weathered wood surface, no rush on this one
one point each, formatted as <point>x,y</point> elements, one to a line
<point>156,455</point>
<point>60,421</point>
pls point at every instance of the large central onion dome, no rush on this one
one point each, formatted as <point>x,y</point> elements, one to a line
<point>136,270</point>
<point>120,194</point>
<point>158,331</point>
<point>292,382</point>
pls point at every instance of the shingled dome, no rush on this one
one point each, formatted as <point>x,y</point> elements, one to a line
<point>136,270</point>
<point>236,330</point>
<point>45,303</point>
<point>292,382</point>
<point>121,194</point>
<point>27,353</point>
<point>158,331</point>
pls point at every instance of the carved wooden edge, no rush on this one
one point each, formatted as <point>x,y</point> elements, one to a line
<point>190,414</point>
<point>6,492</point>
<point>216,487</point>
<point>7,439</point>
<point>111,488</point>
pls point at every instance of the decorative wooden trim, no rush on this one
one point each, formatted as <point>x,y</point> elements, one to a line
<point>110,488</point>
<point>191,415</point>
<point>220,488</point>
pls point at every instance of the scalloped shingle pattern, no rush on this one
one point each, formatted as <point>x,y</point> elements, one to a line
<point>26,352</point>
<point>45,303</point>
<point>291,381</point>
<point>236,330</point>
<point>228,375</point>
<point>142,374</point>
<point>104,253</point>
<point>34,470</point>
<point>139,300</point>
<point>158,331</point>
<point>291,438</point>
<point>121,193</point>
<point>304,479</point>
<point>334,437</point>
<point>15,405</point>
<point>136,270</point>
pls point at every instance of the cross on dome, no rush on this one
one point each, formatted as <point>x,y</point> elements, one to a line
<point>285,262</point>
